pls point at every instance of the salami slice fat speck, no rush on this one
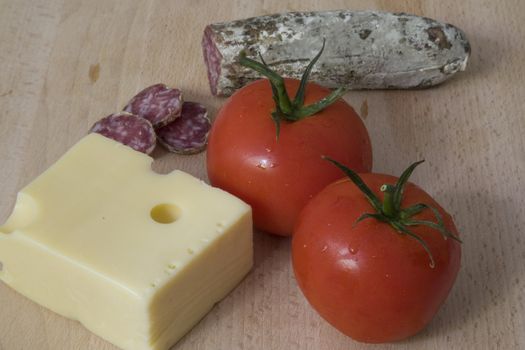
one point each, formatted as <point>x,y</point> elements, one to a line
<point>128,129</point>
<point>157,103</point>
<point>188,134</point>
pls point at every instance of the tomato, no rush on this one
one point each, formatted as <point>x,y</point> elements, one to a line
<point>369,281</point>
<point>277,177</point>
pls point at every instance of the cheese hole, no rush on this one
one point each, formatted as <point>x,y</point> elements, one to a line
<point>165,213</point>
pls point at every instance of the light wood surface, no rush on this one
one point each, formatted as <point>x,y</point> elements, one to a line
<point>65,64</point>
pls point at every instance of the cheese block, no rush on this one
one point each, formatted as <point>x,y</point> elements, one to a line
<point>137,257</point>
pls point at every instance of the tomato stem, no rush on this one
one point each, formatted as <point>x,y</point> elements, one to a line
<point>388,207</point>
<point>285,108</point>
<point>390,211</point>
<point>278,87</point>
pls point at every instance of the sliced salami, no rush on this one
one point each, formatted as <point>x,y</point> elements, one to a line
<point>157,103</point>
<point>128,129</point>
<point>189,133</point>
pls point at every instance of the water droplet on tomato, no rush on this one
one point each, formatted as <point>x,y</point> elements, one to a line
<point>324,248</point>
<point>343,251</point>
<point>265,164</point>
<point>353,250</point>
<point>348,264</point>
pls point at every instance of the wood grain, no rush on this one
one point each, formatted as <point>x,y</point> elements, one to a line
<point>66,64</point>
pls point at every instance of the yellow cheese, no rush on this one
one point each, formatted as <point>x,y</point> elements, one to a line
<point>137,257</point>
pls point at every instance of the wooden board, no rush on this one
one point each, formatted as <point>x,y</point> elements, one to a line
<point>65,64</point>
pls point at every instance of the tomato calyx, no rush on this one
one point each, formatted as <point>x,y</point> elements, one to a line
<point>285,108</point>
<point>390,211</point>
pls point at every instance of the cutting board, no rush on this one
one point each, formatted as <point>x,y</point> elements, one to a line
<point>66,64</point>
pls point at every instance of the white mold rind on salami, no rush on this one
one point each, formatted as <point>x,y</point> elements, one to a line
<point>364,49</point>
<point>157,103</point>
<point>128,129</point>
<point>189,133</point>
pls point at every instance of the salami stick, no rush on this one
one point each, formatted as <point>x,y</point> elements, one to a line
<point>364,49</point>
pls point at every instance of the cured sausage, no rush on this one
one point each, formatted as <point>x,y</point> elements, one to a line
<point>128,129</point>
<point>189,133</point>
<point>364,49</point>
<point>157,103</point>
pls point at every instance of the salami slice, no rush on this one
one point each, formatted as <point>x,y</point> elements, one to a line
<point>364,49</point>
<point>157,103</point>
<point>128,129</point>
<point>189,133</point>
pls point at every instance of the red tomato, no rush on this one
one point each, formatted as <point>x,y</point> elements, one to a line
<point>366,279</point>
<point>278,177</point>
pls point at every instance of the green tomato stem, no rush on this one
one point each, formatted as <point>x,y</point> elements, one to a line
<point>285,108</point>
<point>279,89</point>
<point>389,210</point>
<point>388,207</point>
